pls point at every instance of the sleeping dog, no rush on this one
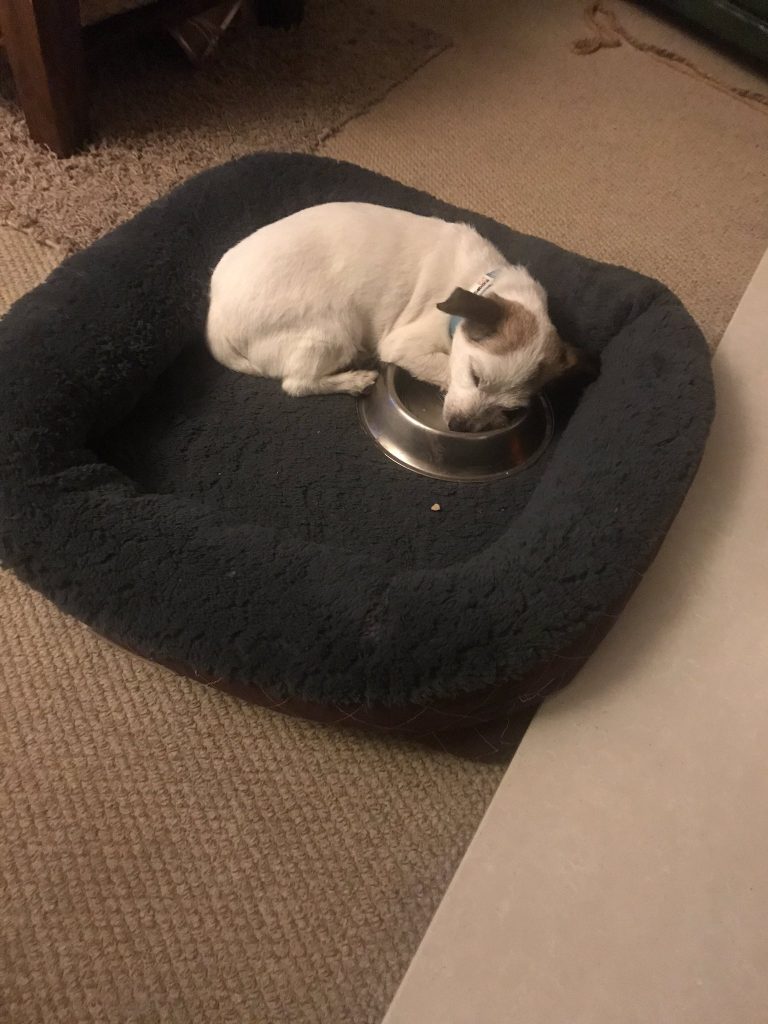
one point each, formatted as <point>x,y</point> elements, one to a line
<point>315,298</point>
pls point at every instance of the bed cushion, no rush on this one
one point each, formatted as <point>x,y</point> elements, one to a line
<point>262,543</point>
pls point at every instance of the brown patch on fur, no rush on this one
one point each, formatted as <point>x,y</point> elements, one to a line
<point>516,329</point>
<point>499,325</point>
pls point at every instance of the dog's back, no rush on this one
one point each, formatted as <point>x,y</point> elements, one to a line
<point>347,272</point>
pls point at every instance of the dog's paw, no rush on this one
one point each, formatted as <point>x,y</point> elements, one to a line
<point>357,382</point>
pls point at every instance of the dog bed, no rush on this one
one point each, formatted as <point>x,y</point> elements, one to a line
<point>263,544</point>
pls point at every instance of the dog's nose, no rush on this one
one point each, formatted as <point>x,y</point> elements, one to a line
<point>458,423</point>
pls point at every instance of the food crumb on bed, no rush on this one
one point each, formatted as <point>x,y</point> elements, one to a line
<point>436,507</point>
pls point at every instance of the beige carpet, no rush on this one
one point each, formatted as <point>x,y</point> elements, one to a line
<point>169,854</point>
<point>173,855</point>
<point>615,155</point>
<point>158,120</point>
<point>23,264</point>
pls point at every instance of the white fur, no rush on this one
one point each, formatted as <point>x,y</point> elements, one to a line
<point>317,297</point>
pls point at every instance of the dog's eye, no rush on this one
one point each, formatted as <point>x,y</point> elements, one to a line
<point>475,378</point>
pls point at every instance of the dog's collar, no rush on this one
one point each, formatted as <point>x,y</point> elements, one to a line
<point>479,288</point>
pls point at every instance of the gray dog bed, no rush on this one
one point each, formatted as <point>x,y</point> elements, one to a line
<point>204,520</point>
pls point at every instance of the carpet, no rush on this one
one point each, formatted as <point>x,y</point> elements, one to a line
<point>159,120</point>
<point>23,264</point>
<point>614,154</point>
<point>171,854</point>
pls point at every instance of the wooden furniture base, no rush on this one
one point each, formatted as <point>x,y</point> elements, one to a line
<point>46,45</point>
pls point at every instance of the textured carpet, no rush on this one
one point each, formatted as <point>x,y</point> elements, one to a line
<point>23,264</point>
<point>171,854</point>
<point>158,120</point>
<point>616,154</point>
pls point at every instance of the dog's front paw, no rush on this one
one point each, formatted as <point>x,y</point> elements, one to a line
<point>357,382</point>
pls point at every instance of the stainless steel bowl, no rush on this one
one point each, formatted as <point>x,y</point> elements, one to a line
<point>404,416</point>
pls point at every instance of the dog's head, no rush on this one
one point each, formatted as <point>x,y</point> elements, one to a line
<point>504,351</point>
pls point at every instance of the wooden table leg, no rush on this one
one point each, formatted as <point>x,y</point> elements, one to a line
<point>44,43</point>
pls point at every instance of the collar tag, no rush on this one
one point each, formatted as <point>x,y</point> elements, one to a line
<point>481,287</point>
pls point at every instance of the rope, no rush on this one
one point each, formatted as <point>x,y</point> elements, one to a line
<point>607,31</point>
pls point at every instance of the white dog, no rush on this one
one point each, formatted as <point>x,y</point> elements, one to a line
<point>317,297</point>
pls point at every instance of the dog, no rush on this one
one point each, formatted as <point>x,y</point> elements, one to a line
<point>317,298</point>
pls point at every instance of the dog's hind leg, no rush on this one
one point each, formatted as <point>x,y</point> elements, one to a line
<point>317,367</point>
<point>349,382</point>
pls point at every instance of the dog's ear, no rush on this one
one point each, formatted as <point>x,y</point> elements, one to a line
<point>482,313</point>
<point>579,362</point>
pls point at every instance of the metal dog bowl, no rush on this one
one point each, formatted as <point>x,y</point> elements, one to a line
<point>404,416</point>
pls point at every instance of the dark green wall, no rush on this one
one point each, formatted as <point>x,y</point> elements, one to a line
<point>742,23</point>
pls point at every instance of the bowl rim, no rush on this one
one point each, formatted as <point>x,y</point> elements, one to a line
<point>388,375</point>
<point>401,457</point>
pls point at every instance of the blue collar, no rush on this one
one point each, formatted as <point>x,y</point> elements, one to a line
<point>453,324</point>
<point>479,288</point>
